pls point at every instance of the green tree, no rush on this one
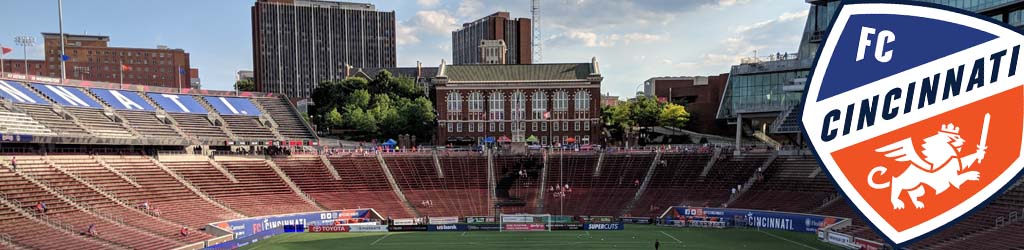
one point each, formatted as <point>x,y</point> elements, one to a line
<point>245,85</point>
<point>644,111</point>
<point>381,108</point>
<point>674,116</point>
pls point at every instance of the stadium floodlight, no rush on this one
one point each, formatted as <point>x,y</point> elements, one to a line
<point>524,222</point>
<point>25,42</point>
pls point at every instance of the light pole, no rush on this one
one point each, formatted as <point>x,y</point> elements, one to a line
<point>60,26</point>
<point>25,42</point>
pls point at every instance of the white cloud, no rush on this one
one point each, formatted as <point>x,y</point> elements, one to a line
<point>722,4</point>
<point>470,9</point>
<point>427,3</point>
<point>424,23</point>
<point>591,39</point>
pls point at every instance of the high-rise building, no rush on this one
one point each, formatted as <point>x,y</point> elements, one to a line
<point>515,33</point>
<point>90,59</point>
<point>298,44</point>
<point>765,92</point>
<point>195,81</point>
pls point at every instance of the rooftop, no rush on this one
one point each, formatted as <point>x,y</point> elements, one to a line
<point>527,72</point>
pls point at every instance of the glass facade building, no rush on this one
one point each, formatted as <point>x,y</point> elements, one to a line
<point>773,85</point>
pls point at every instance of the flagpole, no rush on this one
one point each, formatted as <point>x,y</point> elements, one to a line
<point>178,75</point>
<point>122,74</point>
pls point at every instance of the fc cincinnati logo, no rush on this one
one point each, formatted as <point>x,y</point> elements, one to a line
<point>916,111</point>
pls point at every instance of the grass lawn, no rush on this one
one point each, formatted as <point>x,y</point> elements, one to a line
<point>633,237</point>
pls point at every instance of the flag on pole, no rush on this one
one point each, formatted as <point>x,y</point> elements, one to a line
<point>547,115</point>
<point>181,70</point>
<point>65,58</point>
<point>126,67</point>
<point>7,50</point>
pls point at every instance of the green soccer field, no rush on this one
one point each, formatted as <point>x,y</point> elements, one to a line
<point>633,237</point>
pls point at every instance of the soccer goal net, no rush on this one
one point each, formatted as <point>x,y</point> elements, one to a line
<point>525,222</point>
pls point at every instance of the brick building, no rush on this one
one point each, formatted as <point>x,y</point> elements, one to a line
<point>516,34</point>
<point>700,94</point>
<point>17,66</point>
<point>482,100</point>
<point>91,59</point>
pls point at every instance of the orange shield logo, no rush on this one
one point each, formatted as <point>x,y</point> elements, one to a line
<point>916,131</point>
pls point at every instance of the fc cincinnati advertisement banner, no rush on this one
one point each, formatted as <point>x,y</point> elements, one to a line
<point>245,227</point>
<point>808,223</point>
<point>916,112</point>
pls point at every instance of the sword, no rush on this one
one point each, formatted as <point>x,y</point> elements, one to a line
<point>984,134</point>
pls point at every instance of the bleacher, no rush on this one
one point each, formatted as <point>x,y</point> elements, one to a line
<point>289,124</point>
<point>787,185</point>
<point>666,187</point>
<point>148,124</point>
<point>365,186</point>
<point>20,123</point>
<point>590,194</point>
<point>199,126</point>
<point>45,115</point>
<point>462,191</point>
<point>99,123</point>
<point>247,127</point>
<point>259,190</point>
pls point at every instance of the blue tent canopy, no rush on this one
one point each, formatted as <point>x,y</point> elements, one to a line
<point>390,142</point>
<point>489,139</point>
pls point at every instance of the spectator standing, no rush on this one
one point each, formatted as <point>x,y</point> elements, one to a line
<point>14,163</point>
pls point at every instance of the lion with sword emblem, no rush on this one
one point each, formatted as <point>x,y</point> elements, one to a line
<point>940,168</point>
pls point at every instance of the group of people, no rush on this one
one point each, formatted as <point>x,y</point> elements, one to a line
<point>145,206</point>
<point>561,192</point>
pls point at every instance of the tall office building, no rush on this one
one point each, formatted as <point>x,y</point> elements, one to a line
<point>516,33</point>
<point>765,93</point>
<point>298,44</point>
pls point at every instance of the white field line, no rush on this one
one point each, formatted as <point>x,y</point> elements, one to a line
<point>381,238</point>
<point>670,236</point>
<point>790,241</point>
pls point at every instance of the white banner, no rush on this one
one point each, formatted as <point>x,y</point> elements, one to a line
<point>368,228</point>
<point>443,220</point>
<point>527,219</point>
<point>404,222</point>
<point>840,239</point>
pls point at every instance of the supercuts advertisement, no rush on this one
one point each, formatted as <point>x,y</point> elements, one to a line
<point>756,218</point>
<point>603,226</point>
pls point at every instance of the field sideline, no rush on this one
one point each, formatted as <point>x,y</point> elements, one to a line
<point>634,237</point>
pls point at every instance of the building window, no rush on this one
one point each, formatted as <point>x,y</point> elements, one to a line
<point>480,126</point>
<point>497,106</point>
<point>470,127</point>
<point>490,127</point>
<point>565,126</point>
<point>543,140</point>
<point>540,104</point>
<point>533,126</point>
<point>476,102</point>
<point>449,128</point>
<point>458,127</point>
<point>543,126</point>
<point>518,101</point>
<point>577,126</point>
<point>586,126</point>
<point>501,127</point>
<point>561,101</point>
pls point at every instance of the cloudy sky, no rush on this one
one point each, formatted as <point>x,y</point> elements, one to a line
<point>633,40</point>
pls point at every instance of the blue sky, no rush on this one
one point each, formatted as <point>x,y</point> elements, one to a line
<point>633,40</point>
